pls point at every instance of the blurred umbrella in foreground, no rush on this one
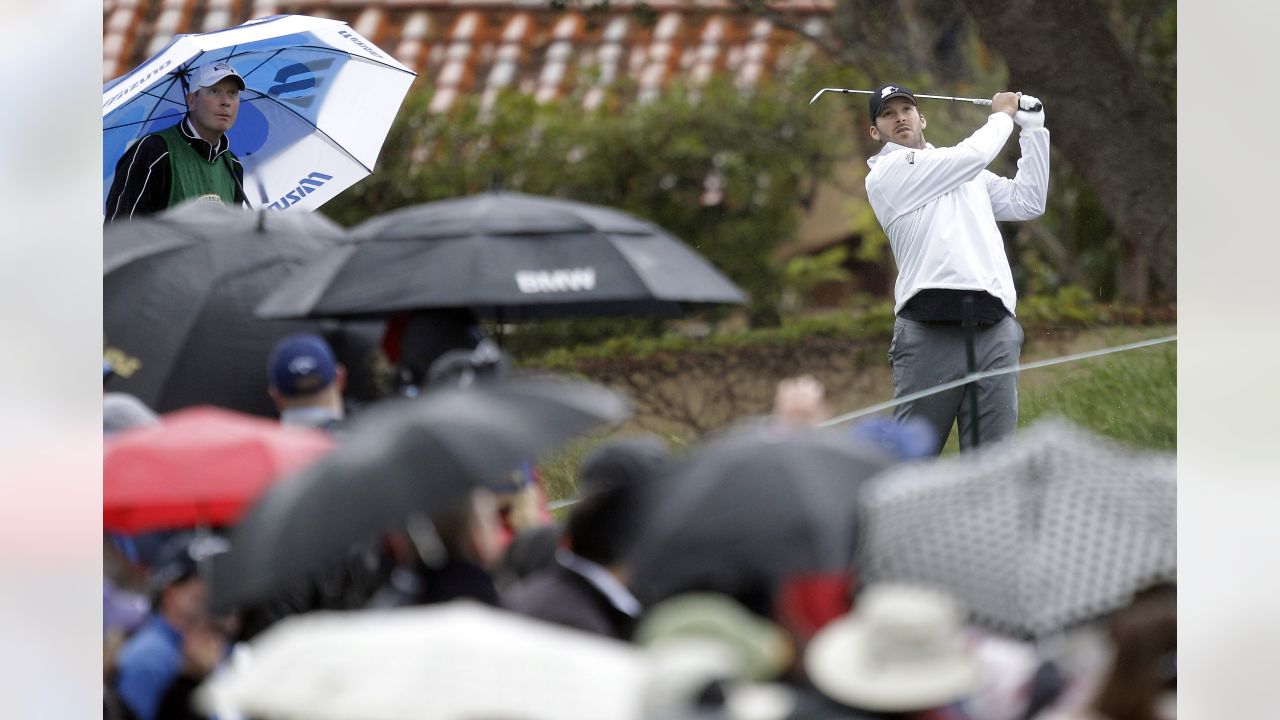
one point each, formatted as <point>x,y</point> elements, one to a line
<point>457,660</point>
<point>400,458</point>
<point>199,467</point>
<point>178,291</point>
<point>1032,535</point>
<point>748,511</point>
<point>506,256</point>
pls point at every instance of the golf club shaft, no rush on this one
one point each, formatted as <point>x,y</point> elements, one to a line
<point>975,101</point>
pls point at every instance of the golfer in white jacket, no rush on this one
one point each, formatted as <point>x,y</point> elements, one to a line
<point>939,207</point>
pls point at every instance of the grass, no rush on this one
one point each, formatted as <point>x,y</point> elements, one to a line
<point>1130,396</point>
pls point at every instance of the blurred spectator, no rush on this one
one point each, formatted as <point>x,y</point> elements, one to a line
<point>905,439</point>
<point>446,556</point>
<point>531,550</point>
<point>899,654</point>
<point>464,368</point>
<point>800,402</point>
<point>705,650</point>
<point>414,340</point>
<point>521,498</point>
<point>305,381</point>
<point>153,657</point>
<point>204,647</point>
<point>121,411</point>
<point>1141,680</point>
<point>586,587</point>
<point>123,611</point>
<point>357,346</point>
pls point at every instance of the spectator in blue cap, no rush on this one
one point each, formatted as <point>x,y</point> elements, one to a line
<point>306,382</point>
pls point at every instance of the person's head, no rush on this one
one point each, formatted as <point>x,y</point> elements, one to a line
<point>466,530</point>
<point>1144,667</point>
<point>303,372</point>
<point>121,411</point>
<point>611,480</point>
<point>177,589</point>
<point>895,117</point>
<point>624,460</point>
<point>213,99</point>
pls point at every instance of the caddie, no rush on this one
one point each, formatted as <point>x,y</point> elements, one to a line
<point>939,208</point>
<point>188,160</point>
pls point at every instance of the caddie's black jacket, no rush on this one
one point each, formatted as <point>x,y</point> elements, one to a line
<point>143,180</point>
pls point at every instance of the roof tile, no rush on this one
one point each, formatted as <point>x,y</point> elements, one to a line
<point>484,46</point>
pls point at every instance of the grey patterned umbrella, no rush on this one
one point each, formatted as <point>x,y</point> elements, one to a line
<point>1033,535</point>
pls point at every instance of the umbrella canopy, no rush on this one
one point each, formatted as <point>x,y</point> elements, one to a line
<point>318,101</point>
<point>178,291</point>
<point>507,256</point>
<point>749,510</point>
<point>402,457</point>
<point>1053,527</point>
<point>201,466</point>
<point>454,661</point>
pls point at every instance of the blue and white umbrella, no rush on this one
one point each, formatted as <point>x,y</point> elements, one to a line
<point>318,102</point>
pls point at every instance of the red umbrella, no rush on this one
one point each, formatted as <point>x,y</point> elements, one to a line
<point>202,466</point>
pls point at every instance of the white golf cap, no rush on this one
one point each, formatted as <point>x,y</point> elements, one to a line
<point>209,75</point>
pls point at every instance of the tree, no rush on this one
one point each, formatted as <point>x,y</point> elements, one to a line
<point>1113,120</point>
<point>724,170</point>
<point>1107,73</point>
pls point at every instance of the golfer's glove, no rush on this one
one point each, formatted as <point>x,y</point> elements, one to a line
<point>1027,118</point>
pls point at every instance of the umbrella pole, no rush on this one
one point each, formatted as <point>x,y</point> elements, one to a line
<point>972,361</point>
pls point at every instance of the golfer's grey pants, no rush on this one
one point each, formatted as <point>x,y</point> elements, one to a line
<point>924,356</point>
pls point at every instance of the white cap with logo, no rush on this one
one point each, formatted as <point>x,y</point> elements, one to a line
<point>209,75</point>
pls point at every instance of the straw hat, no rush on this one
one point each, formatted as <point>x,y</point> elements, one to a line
<point>900,650</point>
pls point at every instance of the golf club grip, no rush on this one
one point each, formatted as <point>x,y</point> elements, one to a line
<point>1034,108</point>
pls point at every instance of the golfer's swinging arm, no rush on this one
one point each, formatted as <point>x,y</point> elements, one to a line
<point>975,101</point>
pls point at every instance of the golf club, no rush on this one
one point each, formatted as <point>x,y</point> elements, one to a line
<point>975,101</point>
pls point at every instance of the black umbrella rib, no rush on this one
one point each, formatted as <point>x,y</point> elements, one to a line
<point>264,62</point>
<point>148,93</point>
<point>322,133</point>
<point>139,122</point>
<point>152,113</point>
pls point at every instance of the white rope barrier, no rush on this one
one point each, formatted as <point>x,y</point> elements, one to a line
<point>972,377</point>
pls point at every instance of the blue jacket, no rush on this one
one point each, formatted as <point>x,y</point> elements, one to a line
<point>147,664</point>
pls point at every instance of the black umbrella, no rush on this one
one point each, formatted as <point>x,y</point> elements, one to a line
<point>178,292</point>
<point>1053,527</point>
<point>403,457</point>
<point>506,256</point>
<point>748,510</point>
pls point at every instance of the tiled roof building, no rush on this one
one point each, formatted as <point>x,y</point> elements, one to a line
<point>484,46</point>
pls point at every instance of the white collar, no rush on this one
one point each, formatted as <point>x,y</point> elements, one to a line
<point>215,149</point>
<point>313,417</point>
<point>601,579</point>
